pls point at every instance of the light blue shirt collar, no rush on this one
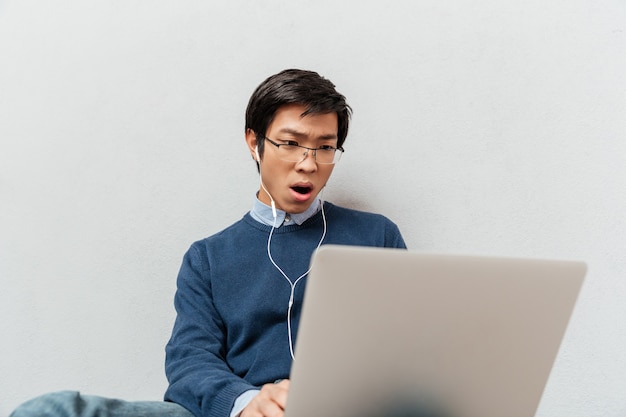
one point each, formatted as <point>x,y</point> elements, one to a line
<point>263,213</point>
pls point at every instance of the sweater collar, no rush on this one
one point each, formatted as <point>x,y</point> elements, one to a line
<point>263,214</point>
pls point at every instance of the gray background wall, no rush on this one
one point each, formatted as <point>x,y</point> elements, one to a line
<point>491,127</point>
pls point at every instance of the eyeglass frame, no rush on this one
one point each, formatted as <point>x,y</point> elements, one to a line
<point>278,145</point>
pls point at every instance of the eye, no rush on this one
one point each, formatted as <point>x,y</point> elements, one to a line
<point>289,143</point>
<point>326,148</point>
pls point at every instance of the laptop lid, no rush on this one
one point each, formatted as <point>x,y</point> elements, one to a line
<point>385,331</point>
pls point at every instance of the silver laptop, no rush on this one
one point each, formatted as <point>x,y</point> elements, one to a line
<point>387,332</point>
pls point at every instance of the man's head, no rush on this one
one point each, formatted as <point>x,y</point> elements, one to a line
<point>293,86</point>
<point>303,119</point>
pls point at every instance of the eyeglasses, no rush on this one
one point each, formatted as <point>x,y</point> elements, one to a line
<point>292,152</point>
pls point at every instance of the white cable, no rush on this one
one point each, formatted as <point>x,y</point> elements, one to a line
<point>292,284</point>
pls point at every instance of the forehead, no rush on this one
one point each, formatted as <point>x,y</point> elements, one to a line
<point>289,118</point>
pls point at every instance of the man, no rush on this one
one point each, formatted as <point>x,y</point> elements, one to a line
<point>240,291</point>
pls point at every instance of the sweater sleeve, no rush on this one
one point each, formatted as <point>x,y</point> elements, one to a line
<point>393,237</point>
<point>198,375</point>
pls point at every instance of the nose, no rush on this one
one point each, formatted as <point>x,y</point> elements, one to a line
<point>308,163</point>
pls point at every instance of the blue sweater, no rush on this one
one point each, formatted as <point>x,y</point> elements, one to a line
<point>230,333</point>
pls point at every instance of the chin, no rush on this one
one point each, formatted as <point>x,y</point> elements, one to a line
<point>297,208</point>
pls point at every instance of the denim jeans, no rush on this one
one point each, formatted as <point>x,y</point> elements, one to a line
<point>73,404</point>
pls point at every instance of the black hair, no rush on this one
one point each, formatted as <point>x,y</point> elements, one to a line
<point>293,86</point>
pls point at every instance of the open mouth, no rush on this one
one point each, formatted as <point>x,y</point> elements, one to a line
<point>301,192</point>
<point>301,189</point>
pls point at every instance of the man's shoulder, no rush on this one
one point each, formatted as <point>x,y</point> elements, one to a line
<point>355,214</point>
<point>363,228</point>
<point>243,228</point>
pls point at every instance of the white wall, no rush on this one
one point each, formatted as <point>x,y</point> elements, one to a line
<point>492,127</point>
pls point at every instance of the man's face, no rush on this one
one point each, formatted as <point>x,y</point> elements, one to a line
<point>295,185</point>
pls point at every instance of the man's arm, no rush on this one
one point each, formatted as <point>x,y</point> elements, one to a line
<point>199,377</point>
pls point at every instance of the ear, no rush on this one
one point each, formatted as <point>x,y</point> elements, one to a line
<point>252,143</point>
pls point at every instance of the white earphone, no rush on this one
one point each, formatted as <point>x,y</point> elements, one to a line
<point>292,283</point>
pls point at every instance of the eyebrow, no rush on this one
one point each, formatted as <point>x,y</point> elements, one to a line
<point>304,135</point>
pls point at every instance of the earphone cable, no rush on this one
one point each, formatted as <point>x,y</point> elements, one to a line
<point>292,284</point>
